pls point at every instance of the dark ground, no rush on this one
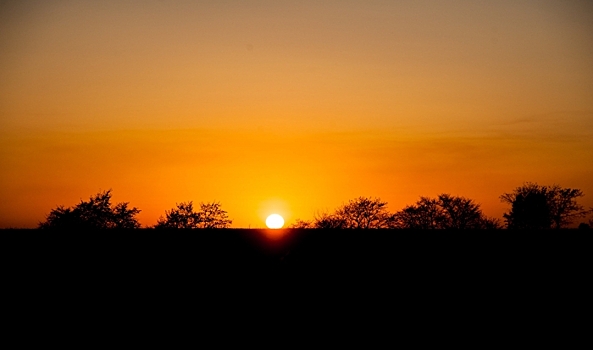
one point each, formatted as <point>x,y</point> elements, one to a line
<point>236,254</point>
<point>409,275</point>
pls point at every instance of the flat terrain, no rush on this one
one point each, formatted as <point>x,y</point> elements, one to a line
<point>411,276</point>
<point>517,253</point>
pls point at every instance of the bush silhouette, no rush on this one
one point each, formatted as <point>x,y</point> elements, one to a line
<point>425,214</point>
<point>96,213</point>
<point>364,212</point>
<point>542,207</point>
<point>444,212</point>
<point>359,213</point>
<point>301,224</point>
<point>183,216</point>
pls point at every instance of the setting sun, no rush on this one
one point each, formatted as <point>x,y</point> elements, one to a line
<point>275,221</point>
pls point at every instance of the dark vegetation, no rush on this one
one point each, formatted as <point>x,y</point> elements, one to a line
<point>427,248</point>
<point>543,207</point>
<point>96,213</point>
<point>183,216</point>
<point>440,257</point>
<point>443,212</point>
<point>533,207</point>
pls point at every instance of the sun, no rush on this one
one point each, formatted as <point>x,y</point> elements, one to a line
<point>275,221</point>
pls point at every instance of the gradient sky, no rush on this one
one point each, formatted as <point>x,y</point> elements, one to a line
<point>290,106</point>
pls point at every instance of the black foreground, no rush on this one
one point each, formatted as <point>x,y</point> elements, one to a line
<point>284,254</point>
<point>492,282</point>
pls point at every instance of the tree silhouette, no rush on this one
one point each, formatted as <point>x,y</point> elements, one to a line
<point>362,212</point>
<point>489,223</point>
<point>96,213</point>
<point>529,207</point>
<point>444,212</point>
<point>184,217</point>
<point>61,217</point>
<point>328,221</point>
<point>425,214</point>
<point>459,212</point>
<point>212,216</point>
<point>564,207</point>
<point>123,217</point>
<point>541,207</point>
<point>365,213</point>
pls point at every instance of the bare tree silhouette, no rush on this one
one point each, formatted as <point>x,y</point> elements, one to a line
<point>96,213</point>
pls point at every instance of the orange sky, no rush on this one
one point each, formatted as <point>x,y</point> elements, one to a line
<point>290,107</point>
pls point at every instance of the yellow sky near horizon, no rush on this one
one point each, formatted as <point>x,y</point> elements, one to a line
<point>290,106</point>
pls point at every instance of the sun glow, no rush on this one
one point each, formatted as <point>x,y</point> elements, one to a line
<point>275,221</point>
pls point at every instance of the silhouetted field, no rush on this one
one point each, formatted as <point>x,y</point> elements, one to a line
<point>483,273</point>
<point>461,254</point>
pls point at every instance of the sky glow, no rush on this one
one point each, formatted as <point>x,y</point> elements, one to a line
<point>290,107</point>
